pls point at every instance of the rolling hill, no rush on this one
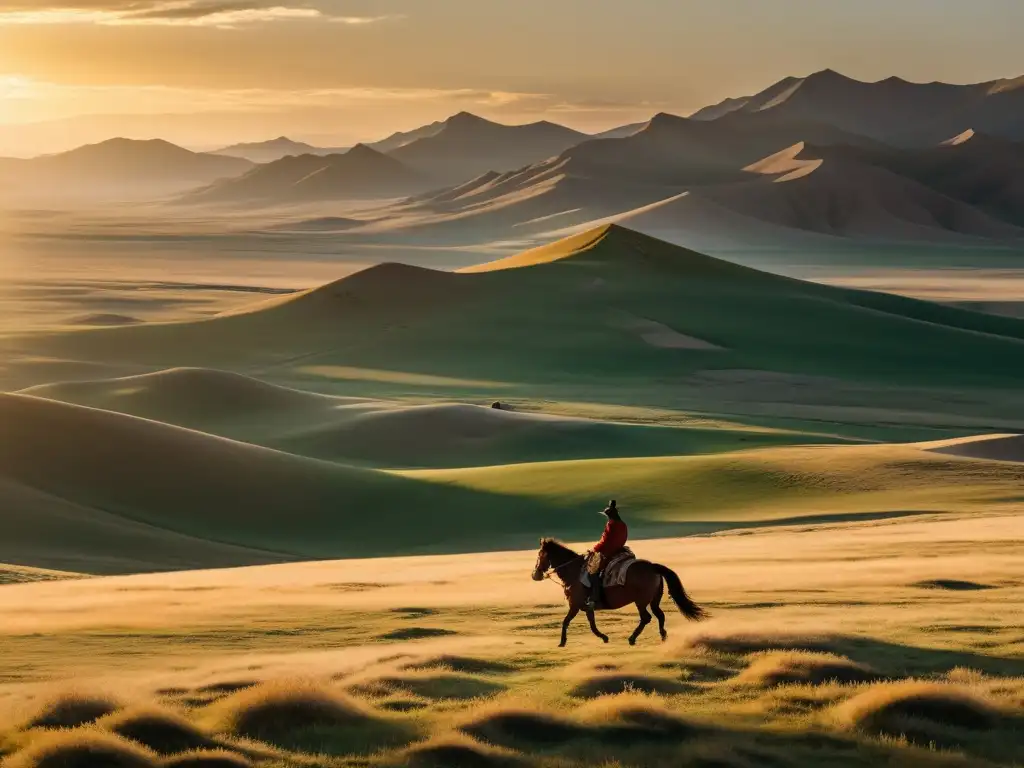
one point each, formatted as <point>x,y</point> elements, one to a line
<point>89,490</point>
<point>387,434</point>
<point>92,491</point>
<point>360,172</point>
<point>606,307</point>
<point>114,170</point>
<point>603,317</point>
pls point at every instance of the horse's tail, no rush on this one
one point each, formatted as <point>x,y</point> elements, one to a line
<point>687,607</point>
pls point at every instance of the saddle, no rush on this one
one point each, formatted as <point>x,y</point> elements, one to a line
<point>614,572</point>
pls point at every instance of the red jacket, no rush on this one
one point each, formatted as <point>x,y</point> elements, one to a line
<point>613,539</point>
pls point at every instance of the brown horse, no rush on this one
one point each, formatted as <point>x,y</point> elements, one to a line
<point>645,586</point>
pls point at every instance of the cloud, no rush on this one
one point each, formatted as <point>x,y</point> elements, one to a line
<point>154,99</point>
<point>223,14</point>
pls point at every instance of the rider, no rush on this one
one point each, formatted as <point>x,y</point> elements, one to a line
<point>613,539</point>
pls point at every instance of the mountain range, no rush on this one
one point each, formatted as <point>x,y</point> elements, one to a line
<point>893,110</point>
<point>822,156</point>
<point>758,177</point>
<point>359,172</point>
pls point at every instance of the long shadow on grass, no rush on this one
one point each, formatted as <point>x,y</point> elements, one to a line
<point>894,660</point>
<point>655,738</point>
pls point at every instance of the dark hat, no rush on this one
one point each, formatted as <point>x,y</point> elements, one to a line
<point>610,509</point>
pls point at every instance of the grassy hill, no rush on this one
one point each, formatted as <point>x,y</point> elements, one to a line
<point>605,308</point>
<point>193,467</point>
<point>93,491</point>
<point>757,486</point>
<point>393,434</point>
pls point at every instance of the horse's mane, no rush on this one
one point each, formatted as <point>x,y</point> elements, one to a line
<point>559,546</point>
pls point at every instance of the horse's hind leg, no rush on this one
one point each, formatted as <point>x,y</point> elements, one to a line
<point>573,610</point>
<point>644,621</point>
<point>593,627</point>
<point>658,613</point>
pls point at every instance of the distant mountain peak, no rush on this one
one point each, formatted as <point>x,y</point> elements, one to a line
<point>667,119</point>
<point>827,74</point>
<point>365,150</point>
<point>467,119</point>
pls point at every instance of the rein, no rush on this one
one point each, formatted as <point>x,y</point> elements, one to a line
<point>549,573</point>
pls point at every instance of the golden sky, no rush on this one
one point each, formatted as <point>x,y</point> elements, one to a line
<point>210,72</point>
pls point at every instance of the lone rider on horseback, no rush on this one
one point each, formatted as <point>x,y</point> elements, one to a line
<point>613,540</point>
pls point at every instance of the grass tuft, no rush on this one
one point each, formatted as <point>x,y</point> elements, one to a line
<point>634,717</point>
<point>606,685</point>
<point>775,668</point>
<point>923,713</point>
<point>517,727</point>
<point>456,750</point>
<point>308,717</point>
<point>83,748</point>
<point>161,730</point>
<point>220,758</point>
<point>71,710</point>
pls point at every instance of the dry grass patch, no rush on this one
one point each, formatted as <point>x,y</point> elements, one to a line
<point>633,717</point>
<point>308,717</point>
<point>83,748</point>
<point>511,727</point>
<point>161,730</point>
<point>71,710</point>
<point>463,664</point>
<point>436,687</point>
<point>923,713</point>
<point>611,684</point>
<point>803,668</point>
<point>746,643</point>
<point>226,686</point>
<point>219,758</point>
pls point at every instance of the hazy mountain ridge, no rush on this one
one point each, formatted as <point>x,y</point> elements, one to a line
<point>275,149</point>
<point>893,110</point>
<point>116,168</point>
<point>360,172</point>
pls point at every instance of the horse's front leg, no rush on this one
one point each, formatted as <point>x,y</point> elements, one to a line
<point>593,627</point>
<point>573,610</point>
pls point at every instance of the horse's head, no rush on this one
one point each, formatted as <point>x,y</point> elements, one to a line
<point>543,561</point>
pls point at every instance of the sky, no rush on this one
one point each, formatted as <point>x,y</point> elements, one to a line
<point>205,73</point>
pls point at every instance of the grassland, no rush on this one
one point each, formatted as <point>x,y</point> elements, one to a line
<point>852,644</point>
<point>834,459</point>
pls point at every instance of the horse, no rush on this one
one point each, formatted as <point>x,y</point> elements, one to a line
<point>644,587</point>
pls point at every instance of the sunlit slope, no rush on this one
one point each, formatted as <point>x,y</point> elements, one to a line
<point>603,308</point>
<point>390,434</point>
<point>97,492</point>
<point>775,483</point>
<point>66,463</point>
